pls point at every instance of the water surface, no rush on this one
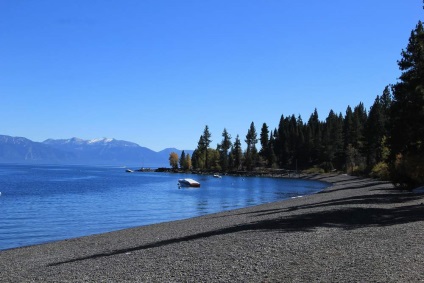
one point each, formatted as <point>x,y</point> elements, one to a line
<point>40,204</point>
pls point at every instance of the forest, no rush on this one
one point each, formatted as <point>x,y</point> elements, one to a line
<point>386,142</point>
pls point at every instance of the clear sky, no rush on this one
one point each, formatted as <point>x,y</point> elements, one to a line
<point>155,72</point>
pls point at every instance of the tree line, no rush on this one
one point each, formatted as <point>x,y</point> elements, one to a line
<point>386,142</point>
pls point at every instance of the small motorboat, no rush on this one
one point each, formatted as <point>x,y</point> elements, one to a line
<point>188,183</point>
<point>129,171</point>
<point>217,176</point>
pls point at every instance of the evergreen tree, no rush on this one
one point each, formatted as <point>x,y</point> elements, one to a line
<point>237,153</point>
<point>195,159</point>
<point>359,119</point>
<point>315,126</point>
<point>358,124</point>
<point>182,160</point>
<point>200,159</point>
<point>292,140</point>
<point>214,159</point>
<point>188,164</point>
<point>271,158</point>
<point>281,143</point>
<point>251,151</point>
<point>206,142</point>
<point>348,127</point>
<point>376,129</point>
<point>223,149</point>
<point>350,152</point>
<point>407,114</point>
<point>278,145</point>
<point>231,158</point>
<point>199,155</point>
<point>332,141</point>
<point>264,151</point>
<point>308,144</point>
<point>386,103</point>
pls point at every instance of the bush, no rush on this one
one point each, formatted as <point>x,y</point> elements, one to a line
<point>314,170</point>
<point>327,166</point>
<point>381,171</point>
<point>408,171</point>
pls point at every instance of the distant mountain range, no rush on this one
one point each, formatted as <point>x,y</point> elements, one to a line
<point>78,151</point>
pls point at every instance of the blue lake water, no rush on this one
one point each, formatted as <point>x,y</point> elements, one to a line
<point>41,203</point>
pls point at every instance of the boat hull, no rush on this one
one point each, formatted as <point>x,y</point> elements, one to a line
<point>188,183</point>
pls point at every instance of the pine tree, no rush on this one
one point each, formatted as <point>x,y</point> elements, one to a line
<point>350,152</point>
<point>356,149</point>
<point>237,153</point>
<point>301,148</point>
<point>182,160</point>
<point>188,164</point>
<point>386,103</point>
<point>251,151</point>
<point>195,160</point>
<point>281,143</point>
<point>198,158</point>
<point>348,127</point>
<point>332,141</point>
<point>359,119</point>
<point>315,131</point>
<point>376,129</point>
<point>206,142</point>
<point>271,158</point>
<point>223,149</point>
<point>278,143</point>
<point>407,114</point>
<point>214,159</point>
<point>264,151</point>
<point>308,145</point>
<point>292,135</point>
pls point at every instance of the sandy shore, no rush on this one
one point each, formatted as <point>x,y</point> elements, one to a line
<point>357,230</point>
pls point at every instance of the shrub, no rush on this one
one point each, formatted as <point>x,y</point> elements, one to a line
<point>314,170</point>
<point>381,171</point>
<point>408,170</point>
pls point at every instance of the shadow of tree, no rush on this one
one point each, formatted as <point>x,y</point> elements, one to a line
<point>344,213</point>
<point>355,185</point>
<point>389,198</point>
<point>318,176</point>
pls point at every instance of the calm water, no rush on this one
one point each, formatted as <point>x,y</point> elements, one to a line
<point>39,204</point>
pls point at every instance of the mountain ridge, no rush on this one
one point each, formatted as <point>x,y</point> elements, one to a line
<point>100,151</point>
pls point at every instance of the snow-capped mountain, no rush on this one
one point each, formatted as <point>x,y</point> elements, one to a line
<point>94,142</point>
<point>78,151</point>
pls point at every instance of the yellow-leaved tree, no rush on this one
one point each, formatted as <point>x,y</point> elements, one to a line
<point>173,160</point>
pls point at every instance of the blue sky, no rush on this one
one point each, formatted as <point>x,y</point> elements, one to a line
<point>156,72</point>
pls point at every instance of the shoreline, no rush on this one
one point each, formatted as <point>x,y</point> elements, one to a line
<point>354,230</point>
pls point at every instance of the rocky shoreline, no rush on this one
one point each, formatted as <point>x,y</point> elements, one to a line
<point>356,230</point>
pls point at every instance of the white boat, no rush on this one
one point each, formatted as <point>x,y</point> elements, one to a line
<point>217,176</point>
<point>188,183</point>
<point>129,171</point>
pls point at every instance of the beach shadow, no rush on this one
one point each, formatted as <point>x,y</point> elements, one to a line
<point>391,198</point>
<point>378,199</point>
<point>357,185</point>
<point>345,218</point>
<point>339,215</point>
<point>318,176</point>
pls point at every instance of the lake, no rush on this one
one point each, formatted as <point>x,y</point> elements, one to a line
<point>44,203</point>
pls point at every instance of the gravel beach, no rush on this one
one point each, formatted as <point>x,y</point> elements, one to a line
<point>356,230</point>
